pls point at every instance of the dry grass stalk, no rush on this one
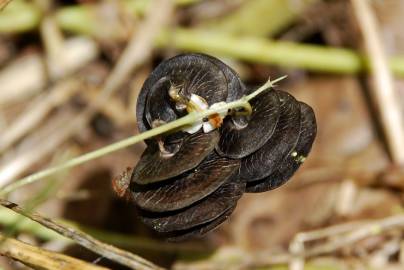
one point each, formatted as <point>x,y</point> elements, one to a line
<point>330,240</point>
<point>140,45</point>
<point>357,233</point>
<point>115,110</point>
<point>37,111</point>
<point>110,252</point>
<point>38,258</point>
<point>384,95</point>
<point>35,148</point>
<point>30,71</point>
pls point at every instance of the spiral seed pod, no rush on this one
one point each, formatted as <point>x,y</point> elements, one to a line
<point>187,184</point>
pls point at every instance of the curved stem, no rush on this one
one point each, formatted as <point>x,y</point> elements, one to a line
<point>181,122</point>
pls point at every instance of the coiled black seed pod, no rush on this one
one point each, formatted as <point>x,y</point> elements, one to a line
<point>187,184</point>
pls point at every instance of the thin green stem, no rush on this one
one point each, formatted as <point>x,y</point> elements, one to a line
<point>82,19</point>
<point>263,18</point>
<point>267,85</point>
<point>261,50</point>
<point>98,153</point>
<point>19,16</point>
<point>181,122</point>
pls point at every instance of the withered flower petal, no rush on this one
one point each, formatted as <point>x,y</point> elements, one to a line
<point>238,142</point>
<point>266,159</point>
<point>154,166</point>
<point>294,159</point>
<point>183,190</point>
<point>206,210</point>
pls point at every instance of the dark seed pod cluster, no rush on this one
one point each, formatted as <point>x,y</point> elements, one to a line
<point>187,184</point>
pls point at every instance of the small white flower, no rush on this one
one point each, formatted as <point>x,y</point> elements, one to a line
<point>191,129</point>
<point>214,121</point>
<point>199,102</point>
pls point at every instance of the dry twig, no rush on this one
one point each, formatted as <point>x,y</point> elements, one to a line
<point>35,147</point>
<point>37,111</point>
<point>357,233</point>
<point>383,92</point>
<point>336,237</point>
<point>333,239</point>
<point>29,70</point>
<point>39,258</point>
<point>120,256</point>
<point>140,45</point>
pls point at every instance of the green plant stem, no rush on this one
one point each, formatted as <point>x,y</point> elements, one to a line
<point>19,16</point>
<point>259,17</point>
<point>181,122</point>
<point>140,6</point>
<point>78,19</point>
<point>261,50</point>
